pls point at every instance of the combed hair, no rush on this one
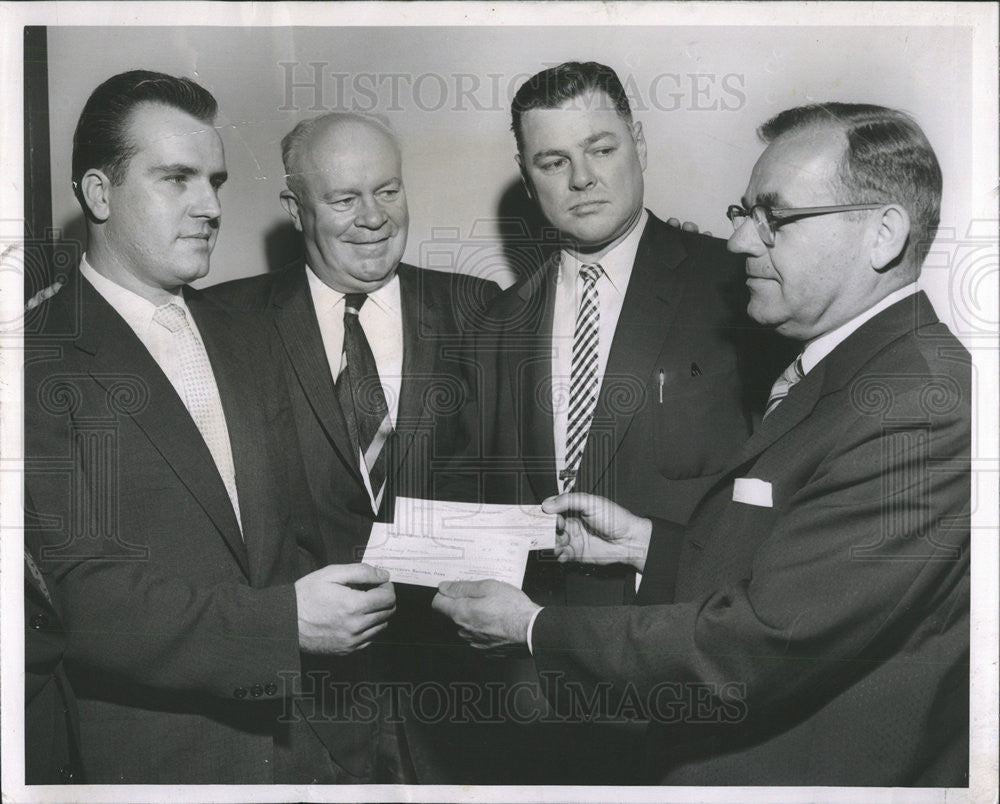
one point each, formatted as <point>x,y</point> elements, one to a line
<point>101,138</point>
<point>295,140</point>
<point>551,88</point>
<point>888,160</point>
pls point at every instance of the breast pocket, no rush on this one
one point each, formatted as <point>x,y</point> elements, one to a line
<point>699,419</point>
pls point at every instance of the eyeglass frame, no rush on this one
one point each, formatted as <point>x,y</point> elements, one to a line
<point>767,228</point>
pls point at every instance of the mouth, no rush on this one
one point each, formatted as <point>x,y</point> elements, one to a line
<point>370,244</point>
<point>205,237</point>
<point>587,207</point>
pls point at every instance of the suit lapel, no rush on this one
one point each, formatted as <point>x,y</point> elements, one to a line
<point>530,375</point>
<point>297,324</point>
<point>836,370</point>
<point>241,406</point>
<point>649,308</point>
<point>422,319</point>
<point>165,421</point>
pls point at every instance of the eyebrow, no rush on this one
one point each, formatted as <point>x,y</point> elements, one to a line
<point>772,200</point>
<point>600,135</point>
<point>337,192</point>
<point>187,170</point>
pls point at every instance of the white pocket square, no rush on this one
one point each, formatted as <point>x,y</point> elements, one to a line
<point>752,491</point>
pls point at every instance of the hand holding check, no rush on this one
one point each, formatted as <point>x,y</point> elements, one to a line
<point>594,530</point>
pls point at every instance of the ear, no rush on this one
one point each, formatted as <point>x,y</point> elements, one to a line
<point>890,237</point>
<point>640,143</point>
<point>95,189</point>
<point>524,176</point>
<point>291,204</point>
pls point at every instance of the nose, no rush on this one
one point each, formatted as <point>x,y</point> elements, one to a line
<point>745,240</point>
<point>370,214</point>
<point>207,204</point>
<point>581,176</point>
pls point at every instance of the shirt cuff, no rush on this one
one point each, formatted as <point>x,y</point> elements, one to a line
<point>531,625</point>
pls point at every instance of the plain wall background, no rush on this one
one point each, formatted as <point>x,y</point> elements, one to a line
<point>699,91</point>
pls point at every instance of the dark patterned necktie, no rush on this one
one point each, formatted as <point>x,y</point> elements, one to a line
<point>789,377</point>
<point>361,397</point>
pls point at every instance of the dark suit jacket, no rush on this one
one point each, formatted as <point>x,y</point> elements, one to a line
<point>683,322</point>
<point>823,639</point>
<point>183,634</point>
<point>683,316</point>
<point>51,723</point>
<point>438,309</point>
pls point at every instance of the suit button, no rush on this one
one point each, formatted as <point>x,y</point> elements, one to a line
<point>271,689</point>
<point>67,774</point>
<point>39,621</point>
<point>257,690</point>
<point>240,692</point>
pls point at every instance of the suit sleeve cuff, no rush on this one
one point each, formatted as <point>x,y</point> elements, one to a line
<point>531,626</point>
<point>659,573</point>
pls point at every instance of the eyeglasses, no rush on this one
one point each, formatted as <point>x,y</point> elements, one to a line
<point>767,220</point>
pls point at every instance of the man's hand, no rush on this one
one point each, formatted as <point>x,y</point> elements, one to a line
<point>687,226</point>
<point>593,530</point>
<point>489,614</point>
<point>342,607</point>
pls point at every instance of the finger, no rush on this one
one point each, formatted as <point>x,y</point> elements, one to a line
<point>689,226</point>
<point>707,233</point>
<point>359,574</point>
<point>378,598</point>
<point>444,605</point>
<point>462,588</point>
<point>673,222</point>
<point>573,501</point>
<point>370,633</point>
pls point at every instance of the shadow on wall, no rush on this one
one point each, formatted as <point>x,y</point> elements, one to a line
<point>526,238</point>
<point>282,245</point>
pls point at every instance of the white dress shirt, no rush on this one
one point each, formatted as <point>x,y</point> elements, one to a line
<point>138,314</point>
<point>820,347</point>
<point>381,318</point>
<point>611,287</point>
<point>162,347</point>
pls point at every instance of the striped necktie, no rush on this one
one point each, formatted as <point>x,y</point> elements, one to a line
<point>362,399</point>
<point>584,381</point>
<point>789,377</point>
<point>201,395</point>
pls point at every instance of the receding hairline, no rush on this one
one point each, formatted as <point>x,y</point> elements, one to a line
<point>295,144</point>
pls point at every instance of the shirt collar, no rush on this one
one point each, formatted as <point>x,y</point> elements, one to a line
<point>617,263</point>
<point>819,348</point>
<point>136,310</point>
<point>325,298</point>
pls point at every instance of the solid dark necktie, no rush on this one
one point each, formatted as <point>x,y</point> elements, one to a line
<point>362,399</point>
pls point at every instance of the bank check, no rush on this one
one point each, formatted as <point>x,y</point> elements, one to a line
<point>431,541</point>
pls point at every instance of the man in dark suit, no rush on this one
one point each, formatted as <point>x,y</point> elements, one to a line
<point>51,722</point>
<point>346,196</point>
<point>165,484</point>
<point>641,399</point>
<point>671,386</point>
<point>819,633</point>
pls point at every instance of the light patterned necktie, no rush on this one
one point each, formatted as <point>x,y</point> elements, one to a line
<point>583,374</point>
<point>789,377</point>
<point>359,390</point>
<point>201,395</point>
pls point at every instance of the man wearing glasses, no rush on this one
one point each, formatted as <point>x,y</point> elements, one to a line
<point>819,634</point>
